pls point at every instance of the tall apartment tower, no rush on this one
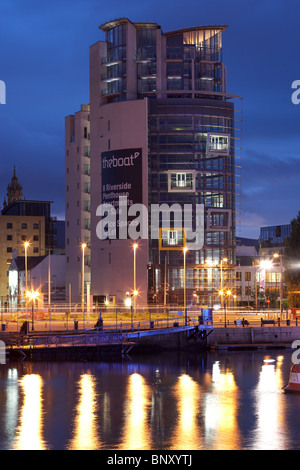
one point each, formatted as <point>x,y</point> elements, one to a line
<point>163,130</point>
<point>77,201</point>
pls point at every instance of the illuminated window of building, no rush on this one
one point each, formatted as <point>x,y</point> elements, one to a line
<point>218,143</point>
<point>181,181</point>
<point>172,238</point>
<point>219,219</point>
<point>273,277</point>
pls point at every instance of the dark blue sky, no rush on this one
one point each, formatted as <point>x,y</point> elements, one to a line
<point>44,61</point>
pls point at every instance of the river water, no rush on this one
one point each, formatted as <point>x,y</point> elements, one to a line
<point>173,401</point>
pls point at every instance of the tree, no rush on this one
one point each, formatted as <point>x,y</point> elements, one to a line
<point>292,263</point>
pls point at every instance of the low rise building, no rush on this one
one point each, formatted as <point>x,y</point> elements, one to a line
<point>23,221</point>
<point>14,232</point>
<point>42,272</point>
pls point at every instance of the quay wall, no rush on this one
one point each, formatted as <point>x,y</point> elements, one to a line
<point>192,340</point>
<point>169,341</point>
<point>254,335</point>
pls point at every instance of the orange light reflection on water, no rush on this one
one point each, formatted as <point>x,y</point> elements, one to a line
<point>187,434</point>
<point>221,410</point>
<point>136,434</point>
<point>85,425</point>
<point>270,407</point>
<point>29,432</point>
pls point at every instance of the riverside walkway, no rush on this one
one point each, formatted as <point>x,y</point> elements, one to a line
<point>98,343</point>
<point>78,336</point>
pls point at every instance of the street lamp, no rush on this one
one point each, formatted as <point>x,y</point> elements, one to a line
<point>228,293</point>
<point>212,264</point>
<point>26,245</point>
<point>256,265</point>
<point>83,246</point>
<point>221,280</point>
<point>135,246</point>
<point>277,255</point>
<point>266,264</point>
<point>32,295</point>
<point>185,249</point>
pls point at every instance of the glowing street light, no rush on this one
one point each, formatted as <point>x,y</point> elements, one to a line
<point>279,256</point>
<point>228,294</point>
<point>266,264</point>
<point>185,249</point>
<point>135,247</point>
<point>32,295</point>
<point>83,246</point>
<point>26,245</point>
<point>224,260</point>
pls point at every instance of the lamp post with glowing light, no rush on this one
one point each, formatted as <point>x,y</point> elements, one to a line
<point>221,277</point>
<point>135,246</point>
<point>279,256</point>
<point>228,293</point>
<point>32,295</point>
<point>26,245</point>
<point>185,249</point>
<point>83,246</point>
<point>212,264</point>
<point>255,264</point>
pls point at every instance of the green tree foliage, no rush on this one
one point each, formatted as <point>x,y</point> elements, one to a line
<point>292,263</point>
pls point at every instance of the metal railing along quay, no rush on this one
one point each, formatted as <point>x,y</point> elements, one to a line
<point>68,318</point>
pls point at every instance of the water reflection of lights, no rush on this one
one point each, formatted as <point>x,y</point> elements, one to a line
<point>221,409</point>
<point>223,381</point>
<point>11,411</point>
<point>29,432</point>
<point>85,427</point>
<point>187,432</point>
<point>269,407</point>
<point>136,427</point>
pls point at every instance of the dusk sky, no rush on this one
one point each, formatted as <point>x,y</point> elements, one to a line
<point>44,62</point>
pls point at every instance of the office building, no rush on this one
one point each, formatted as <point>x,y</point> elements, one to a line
<point>272,238</point>
<point>163,130</point>
<point>14,232</point>
<point>42,272</point>
<point>259,268</point>
<point>77,200</point>
<point>22,221</point>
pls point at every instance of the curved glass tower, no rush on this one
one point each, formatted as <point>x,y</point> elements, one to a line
<point>163,96</point>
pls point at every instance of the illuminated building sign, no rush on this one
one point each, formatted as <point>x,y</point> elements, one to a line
<point>122,177</point>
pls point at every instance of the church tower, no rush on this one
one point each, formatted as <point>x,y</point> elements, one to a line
<point>14,190</point>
